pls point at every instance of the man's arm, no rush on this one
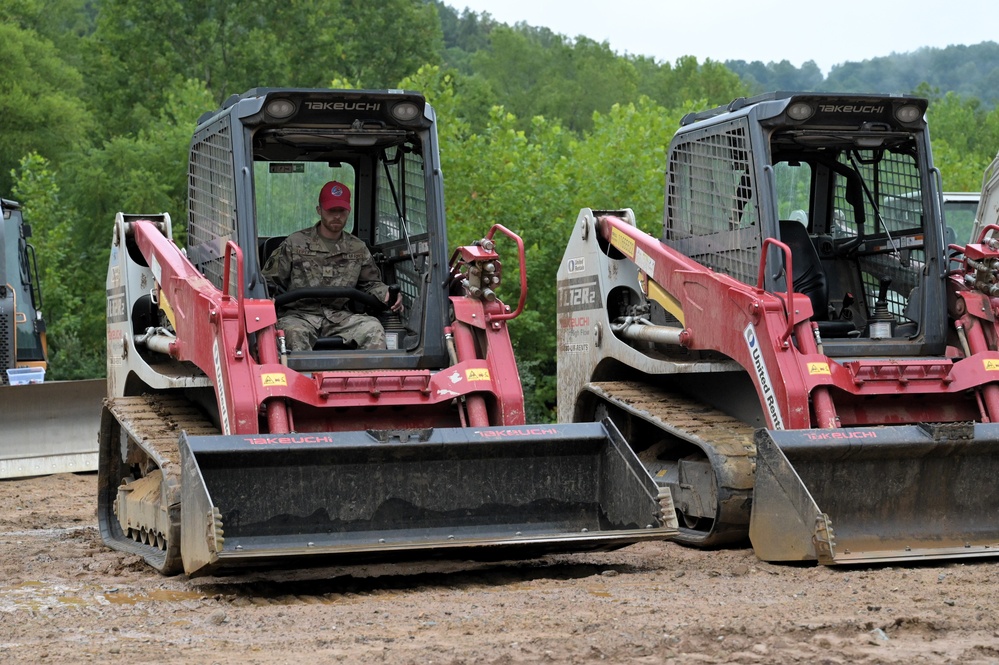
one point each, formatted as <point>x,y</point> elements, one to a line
<point>277,270</point>
<point>369,279</point>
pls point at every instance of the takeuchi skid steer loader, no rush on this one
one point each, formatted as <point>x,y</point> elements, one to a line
<point>803,356</point>
<point>219,449</point>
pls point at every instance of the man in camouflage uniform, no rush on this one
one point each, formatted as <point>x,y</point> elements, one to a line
<point>325,255</point>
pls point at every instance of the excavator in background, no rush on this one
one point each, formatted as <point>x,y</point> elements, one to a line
<point>221,449</point>
<point>47,426</point>
<point>802,357</point>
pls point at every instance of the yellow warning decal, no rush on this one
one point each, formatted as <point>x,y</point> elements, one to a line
<point>167,309</point>
<point>275,379</point>
<point>477,374</point>
<point>664,298</point>
<point>623,242</point>
<point>991,365</point>
<point>818,368</point>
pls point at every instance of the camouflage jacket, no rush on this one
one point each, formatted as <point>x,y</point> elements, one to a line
<point>305,259</point>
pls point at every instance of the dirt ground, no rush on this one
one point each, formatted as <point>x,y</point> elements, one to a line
<point>65,598</point>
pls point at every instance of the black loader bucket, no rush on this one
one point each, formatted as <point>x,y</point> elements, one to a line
<point>864,495</point>
<point>466,493</point>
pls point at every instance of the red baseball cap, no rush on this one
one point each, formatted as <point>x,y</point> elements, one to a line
<point>334,195</point>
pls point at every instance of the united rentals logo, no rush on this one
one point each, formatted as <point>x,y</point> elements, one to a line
<point>763,377</point>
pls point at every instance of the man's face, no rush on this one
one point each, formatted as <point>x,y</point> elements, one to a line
<point>333,220</point>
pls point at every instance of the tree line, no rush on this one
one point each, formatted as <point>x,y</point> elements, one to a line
<point>99,98</point>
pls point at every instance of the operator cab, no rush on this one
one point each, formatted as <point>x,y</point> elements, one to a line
<point>286,197</point>
<point>858,240</point>
<point>857,210</point>
<point>847,183</point>
<point>286,144</point>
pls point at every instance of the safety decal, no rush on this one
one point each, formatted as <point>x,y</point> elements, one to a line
<point>477,374</point>
<point>991,365</point>
<point>818,368</point>
<point>274,379</point>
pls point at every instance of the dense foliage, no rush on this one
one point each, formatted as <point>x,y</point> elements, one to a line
<point>97,109</point>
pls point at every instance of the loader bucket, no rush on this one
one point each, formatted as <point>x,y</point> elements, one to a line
<point>867,495</point>
<point>50,427</point>
<point>486,493</point>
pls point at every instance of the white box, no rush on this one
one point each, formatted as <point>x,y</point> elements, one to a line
<point>20,376</point>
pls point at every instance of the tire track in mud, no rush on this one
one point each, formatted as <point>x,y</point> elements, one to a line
<point>329,587</point>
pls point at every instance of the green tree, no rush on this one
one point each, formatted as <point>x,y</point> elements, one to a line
<point>71,354</point>
<point>233,47</point>
<point>40,109</point>
<point>672,85</point>
<point>517,178</point>
<point>144,173</point>
<point>621,162</point>
<point>536,72</point>
<point>964,136</point>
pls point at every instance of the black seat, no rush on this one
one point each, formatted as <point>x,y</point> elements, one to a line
<point>266,247</point>
<point>809,278</point>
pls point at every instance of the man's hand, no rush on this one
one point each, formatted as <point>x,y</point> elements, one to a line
<point>394,306</point>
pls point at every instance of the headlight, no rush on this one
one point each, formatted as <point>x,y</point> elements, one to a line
<point>908,113</point>
<point>405,111</point>
<point>800,111</point>
<point>280,108</point>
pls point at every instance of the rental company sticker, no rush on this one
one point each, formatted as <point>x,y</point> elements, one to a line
<point>646,263</point>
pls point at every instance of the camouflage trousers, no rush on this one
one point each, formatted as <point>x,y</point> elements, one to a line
<point>301,330</point>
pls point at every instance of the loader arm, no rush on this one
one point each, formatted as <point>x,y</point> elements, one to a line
<point>757,334</point>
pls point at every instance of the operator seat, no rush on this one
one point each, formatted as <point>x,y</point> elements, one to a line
<point>810,278</point>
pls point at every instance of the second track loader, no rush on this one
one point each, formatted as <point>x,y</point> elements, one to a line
<point>802,357</point>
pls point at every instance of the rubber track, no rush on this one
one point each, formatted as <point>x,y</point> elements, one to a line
<point>154,423</point>
<point>726,441</point>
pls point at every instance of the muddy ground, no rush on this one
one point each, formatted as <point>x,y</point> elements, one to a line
<point>65,598</point>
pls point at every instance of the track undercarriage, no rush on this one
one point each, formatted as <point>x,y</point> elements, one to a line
<point>139,500</point>
<point>705,457</point>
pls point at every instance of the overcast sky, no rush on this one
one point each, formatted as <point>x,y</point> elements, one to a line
<point>765,30</point>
